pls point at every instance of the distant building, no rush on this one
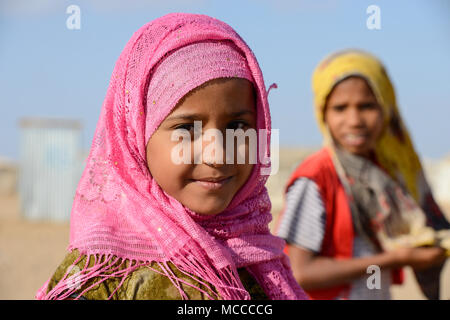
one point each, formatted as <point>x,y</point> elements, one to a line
<point>50,167</point>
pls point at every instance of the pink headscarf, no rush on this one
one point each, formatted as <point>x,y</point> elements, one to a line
<point>187,68</point>
<point>120,213</point>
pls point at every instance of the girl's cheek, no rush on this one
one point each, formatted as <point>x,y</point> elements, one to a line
<point>332,123</point>
<point>379,131</point>
<point>376,124</point>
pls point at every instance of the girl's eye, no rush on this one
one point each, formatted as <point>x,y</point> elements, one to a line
<point>239,124</point>
<point>339,108</point>
<point>368,106</point>
<point>185,126</point>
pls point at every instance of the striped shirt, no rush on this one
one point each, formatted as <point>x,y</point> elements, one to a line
<point>303,224</point>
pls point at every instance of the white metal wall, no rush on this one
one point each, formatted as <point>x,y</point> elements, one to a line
<point>50,168</point>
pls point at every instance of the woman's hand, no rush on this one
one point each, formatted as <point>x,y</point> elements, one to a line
<point>316,272</point>
<point>418,258</point>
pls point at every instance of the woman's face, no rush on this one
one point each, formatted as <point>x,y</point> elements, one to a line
<point>353,116</point>
<point>205,186</point>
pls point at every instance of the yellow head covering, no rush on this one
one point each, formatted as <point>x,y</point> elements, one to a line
<point>394,149</point>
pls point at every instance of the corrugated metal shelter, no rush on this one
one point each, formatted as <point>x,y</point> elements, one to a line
<point>50,167</point>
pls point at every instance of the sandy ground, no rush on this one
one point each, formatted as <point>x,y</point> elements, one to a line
<point>30,252</point>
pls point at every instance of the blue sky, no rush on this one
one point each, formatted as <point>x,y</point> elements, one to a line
<point>48,70</point>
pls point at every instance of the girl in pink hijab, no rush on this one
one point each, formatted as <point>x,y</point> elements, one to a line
<point>146,226</point>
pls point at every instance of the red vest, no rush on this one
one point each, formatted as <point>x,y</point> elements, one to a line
<point>339,233</point>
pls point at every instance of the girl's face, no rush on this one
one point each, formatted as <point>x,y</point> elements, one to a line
<point>208,186</point>
<point>353,116</point>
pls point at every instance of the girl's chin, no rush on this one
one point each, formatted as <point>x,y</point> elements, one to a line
<point>208,211</point>
<point>208,208</point>
<point>361,151</point>
<point>207,201</point>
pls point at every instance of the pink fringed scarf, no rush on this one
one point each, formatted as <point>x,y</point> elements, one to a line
<point>121,214</point>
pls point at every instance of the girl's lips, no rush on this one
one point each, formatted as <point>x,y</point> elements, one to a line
<point>213,185</point>
<point>355,140</point>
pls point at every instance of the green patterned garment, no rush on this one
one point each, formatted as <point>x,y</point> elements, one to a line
<point>146,284</point>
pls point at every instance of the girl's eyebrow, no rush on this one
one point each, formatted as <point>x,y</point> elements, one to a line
<point>197,116</point>
<point>187,116</point>
<point>240,113</point>
<point>339,105</point>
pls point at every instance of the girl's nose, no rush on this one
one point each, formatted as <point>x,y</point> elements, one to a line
<point>354,117</point>
<point>214,151</point>
<point>213,161</point>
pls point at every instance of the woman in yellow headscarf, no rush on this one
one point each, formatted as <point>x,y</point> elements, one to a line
<point>362,202</point>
